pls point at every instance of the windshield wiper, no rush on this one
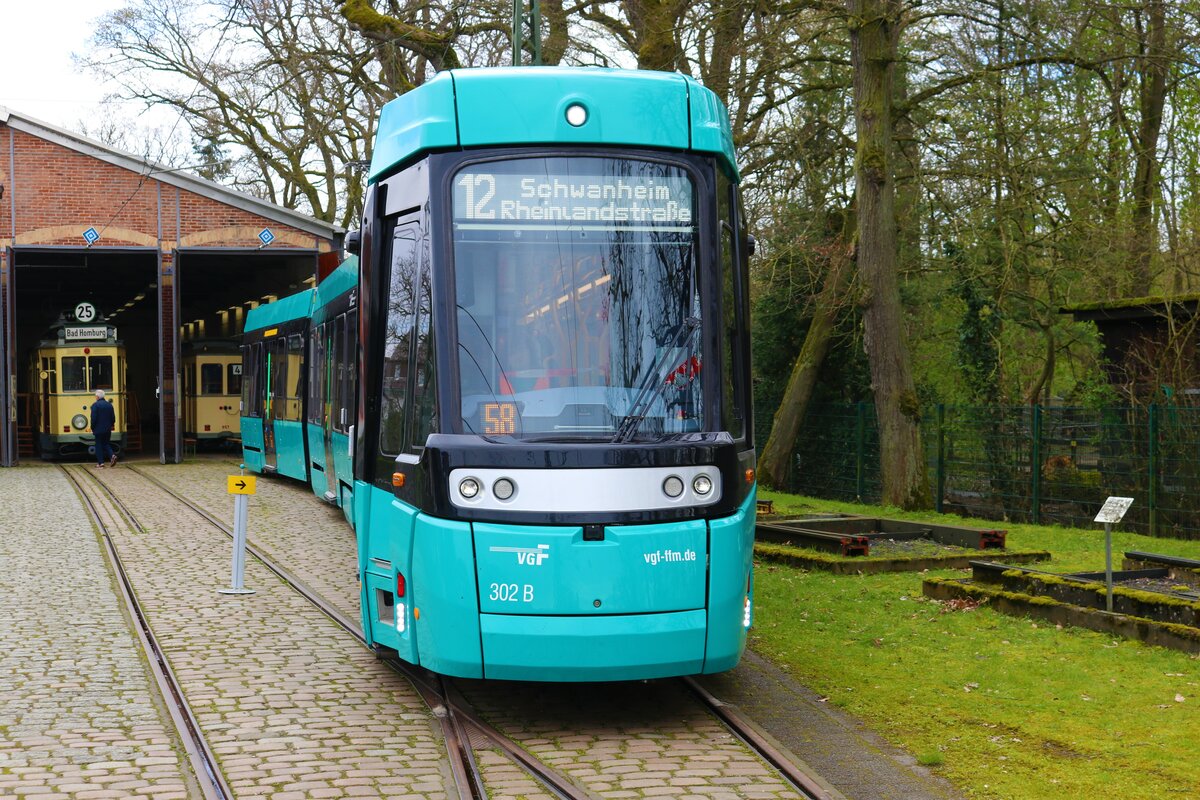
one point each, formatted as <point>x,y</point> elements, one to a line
<point>655,380</point>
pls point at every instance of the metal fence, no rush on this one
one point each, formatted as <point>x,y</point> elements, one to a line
<point>1050,465</point>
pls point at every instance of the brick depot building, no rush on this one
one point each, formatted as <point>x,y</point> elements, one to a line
<point>164,256</point>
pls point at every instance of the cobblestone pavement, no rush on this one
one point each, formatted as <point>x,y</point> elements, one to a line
<point>615,740</point>
<point>291,705</point>
<point>78,715</point>
<point>310,537</point>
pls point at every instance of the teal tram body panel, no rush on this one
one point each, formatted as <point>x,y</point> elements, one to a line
<point>318,473</point>
<point>730,587</point>
<point>252,443</point>
<point>290,449</point>
<point>636,569</point>
<point>343,470</point>
<point>527,105</point>
<point>503,601</point>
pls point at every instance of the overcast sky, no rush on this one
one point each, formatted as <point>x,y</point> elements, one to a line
<point>37,77</point>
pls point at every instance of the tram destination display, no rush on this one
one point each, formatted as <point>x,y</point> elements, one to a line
<point>87,333</point>
<point>658,196</point>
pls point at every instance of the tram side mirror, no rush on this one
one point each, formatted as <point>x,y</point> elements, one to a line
<point>353,241</point>
<point>751,244</point>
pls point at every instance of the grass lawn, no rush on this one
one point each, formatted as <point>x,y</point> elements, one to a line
<point>1002,707</point>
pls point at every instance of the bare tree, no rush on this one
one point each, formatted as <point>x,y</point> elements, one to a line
<point>281,87</point>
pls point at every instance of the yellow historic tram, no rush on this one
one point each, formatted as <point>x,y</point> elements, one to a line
<point>212,391</point>
<point>80,354</point>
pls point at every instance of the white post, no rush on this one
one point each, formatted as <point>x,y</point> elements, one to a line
<point>1113,511</point>
<point>1108,565</point>
<point>240,513</point>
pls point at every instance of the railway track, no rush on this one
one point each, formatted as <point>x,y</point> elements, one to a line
<point>463,730</point>
<point>204,763</point>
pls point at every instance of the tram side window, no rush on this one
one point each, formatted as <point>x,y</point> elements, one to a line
<point>316,365</point>
<point>733,416</point>
<point>424,396</point>
<point>295,381</point>
<point>210,378</point>
<point>277,368</point>
<point>233,379</point>
<point>252,386</point>
<point>398,334</point>
<point>74,374</point>
<point>350,374</point>
<point>337,373</point>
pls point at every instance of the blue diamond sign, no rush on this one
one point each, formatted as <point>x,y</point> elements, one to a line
<point>91,236</point>
<point>265,236</point>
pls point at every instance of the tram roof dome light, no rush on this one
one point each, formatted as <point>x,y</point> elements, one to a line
<point>577,114</point>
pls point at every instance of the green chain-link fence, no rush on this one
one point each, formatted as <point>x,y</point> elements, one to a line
<point>1022,463</point>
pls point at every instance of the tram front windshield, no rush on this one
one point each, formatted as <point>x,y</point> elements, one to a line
<point>578,309</point>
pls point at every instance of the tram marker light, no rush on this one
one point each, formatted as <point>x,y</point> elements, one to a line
<point>504,489</point>
<point>750,476</point>
<point>400,585</point>
<point>673,486</point>
<point>398,479</point>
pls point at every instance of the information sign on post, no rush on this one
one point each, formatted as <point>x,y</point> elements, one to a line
<point>1112,512</point>
<point>240,486</point>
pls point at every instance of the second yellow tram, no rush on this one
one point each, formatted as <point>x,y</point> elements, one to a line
<point>212,391</point>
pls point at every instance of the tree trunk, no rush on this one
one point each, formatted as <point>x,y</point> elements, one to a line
<point>874,33</point>
<point>1153,95</point>
<point>654,22</point>
<point>775,460</point>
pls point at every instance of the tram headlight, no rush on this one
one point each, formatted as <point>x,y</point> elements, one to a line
<point>79,422</point>
<point>702,485</point>
<point>468,488</point>
<point>673,486</point>
<point>504,489</point>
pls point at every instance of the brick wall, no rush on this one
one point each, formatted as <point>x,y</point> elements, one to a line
<point>59,193</point>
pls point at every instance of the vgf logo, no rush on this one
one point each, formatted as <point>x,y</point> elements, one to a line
<point>527,556</point>
<point>531,557</point>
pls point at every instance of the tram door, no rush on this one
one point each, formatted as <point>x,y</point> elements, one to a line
<point>47,376</point>
<point>277,398</point>
<point>331,335</point>
<point>270,461</point>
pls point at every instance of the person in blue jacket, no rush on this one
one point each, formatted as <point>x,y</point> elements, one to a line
<point>103,420</point>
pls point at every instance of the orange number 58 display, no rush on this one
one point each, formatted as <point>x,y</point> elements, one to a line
<point>499,418</point>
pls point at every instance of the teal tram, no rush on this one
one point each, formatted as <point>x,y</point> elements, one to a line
<point>530,391</point>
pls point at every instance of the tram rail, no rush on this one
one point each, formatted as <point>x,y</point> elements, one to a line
<point>204,765</point>
<point>463,730</point>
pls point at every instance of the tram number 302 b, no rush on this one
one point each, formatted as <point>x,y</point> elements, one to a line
<point>512,593</point>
